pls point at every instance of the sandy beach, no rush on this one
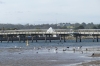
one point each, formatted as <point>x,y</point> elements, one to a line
<point>55,56</point>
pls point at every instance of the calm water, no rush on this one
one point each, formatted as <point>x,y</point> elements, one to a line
<point>70,43</point>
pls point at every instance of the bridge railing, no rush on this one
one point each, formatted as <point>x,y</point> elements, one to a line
<point>57,31</point>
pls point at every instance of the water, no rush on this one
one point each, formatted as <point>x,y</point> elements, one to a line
<point>69,57</point>
<point>54,43</point>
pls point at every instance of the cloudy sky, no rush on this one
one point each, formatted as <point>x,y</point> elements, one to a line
<point>49,11</point>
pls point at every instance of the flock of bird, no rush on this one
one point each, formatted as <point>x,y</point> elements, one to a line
<point>57,49</point>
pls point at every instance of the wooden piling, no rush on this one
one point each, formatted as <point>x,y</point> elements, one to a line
<point>76,38</point>
<point>45,38</point>
<point>60,37</point>
<point>80,38</point>
<point>49,38</point>
<point>97,38</point>
<point>32,39</point>
<point>64,39</point>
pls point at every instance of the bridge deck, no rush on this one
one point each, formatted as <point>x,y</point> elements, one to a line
<point>57,31</point>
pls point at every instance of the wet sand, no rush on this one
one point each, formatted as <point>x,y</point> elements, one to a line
<point>44,57</point>
<point>92,62</point>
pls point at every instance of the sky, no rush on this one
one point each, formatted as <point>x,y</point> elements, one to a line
<point>49,11</point>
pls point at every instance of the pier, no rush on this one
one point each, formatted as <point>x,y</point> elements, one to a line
<point>42,34</point>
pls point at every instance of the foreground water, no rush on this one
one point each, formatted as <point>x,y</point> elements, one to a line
<point>55,43</point>
<point>38,53</point>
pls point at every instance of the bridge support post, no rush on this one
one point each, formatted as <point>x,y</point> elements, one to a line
<point>19,38</point>
<point>36,38</point>
<point>1,38</point>
<point>97,38</point>
<point>49,38</point>
<point>60,37</point>
<point>45,38</point>
<point>32,39</point>
<point>8,39</point>
<point>80,38</point>
<point>76,38</point>
<point>23,38</point>
<point>12,38</point>
<point>64,39</point>
<point>93,38</point>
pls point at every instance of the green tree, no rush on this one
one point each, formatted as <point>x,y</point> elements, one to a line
<point>80,27</point>
<point>94,27</point>
<point>98,26</point>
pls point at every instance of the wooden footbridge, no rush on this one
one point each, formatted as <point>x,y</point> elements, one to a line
<point>42,34</point>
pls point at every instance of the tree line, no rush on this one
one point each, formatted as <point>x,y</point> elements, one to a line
<point>87,26</point>
<point>46,26</point>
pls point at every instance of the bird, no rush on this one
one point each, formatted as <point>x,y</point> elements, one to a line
<point>64,49</point>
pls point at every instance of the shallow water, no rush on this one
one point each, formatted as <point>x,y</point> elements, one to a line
<point>21,51</point>
<point>54,43</point>
<point>43,55</point>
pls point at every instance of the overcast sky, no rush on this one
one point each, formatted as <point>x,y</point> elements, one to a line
<point>49,11</point>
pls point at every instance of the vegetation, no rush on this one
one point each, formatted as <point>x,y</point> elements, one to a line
<point>46,26</point>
